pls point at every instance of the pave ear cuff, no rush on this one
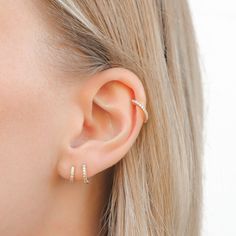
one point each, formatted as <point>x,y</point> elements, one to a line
<point>142,107</point>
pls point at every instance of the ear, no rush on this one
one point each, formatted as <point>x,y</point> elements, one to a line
<point>109,123</point>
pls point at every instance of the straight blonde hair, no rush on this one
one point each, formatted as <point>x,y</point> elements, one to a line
<point>157,186</point>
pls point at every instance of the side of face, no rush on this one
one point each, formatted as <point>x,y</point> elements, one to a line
<point>47,125</point>
<point>31,119</point>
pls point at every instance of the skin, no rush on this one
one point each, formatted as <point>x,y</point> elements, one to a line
<point>47,125</point>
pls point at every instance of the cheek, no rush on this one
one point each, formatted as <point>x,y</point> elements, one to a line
<point>30,127</point>
<point>28,147</point>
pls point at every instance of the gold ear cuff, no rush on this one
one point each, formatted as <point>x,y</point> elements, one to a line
<point>142,107</point>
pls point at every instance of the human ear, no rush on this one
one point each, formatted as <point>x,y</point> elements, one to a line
<point>109,125</point>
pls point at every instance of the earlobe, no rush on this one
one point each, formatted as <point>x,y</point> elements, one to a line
<point>113,104</point>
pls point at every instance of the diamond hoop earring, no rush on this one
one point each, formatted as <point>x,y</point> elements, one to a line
<point>142,107</point>
<point>84,173</point>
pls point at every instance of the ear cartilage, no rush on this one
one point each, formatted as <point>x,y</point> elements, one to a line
<point>142,107</point>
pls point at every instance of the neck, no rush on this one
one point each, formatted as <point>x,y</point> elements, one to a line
<point>77,208</point>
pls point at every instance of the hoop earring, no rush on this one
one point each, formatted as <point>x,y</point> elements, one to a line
<point>135,102</point>
<point>72,174</point>
<point>84,173</point>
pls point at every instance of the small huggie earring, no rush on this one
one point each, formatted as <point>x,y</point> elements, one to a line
<point>72,174</point>
<point>84,173</point>
<point>135,102</point>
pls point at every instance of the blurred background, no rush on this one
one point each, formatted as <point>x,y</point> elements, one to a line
<point>215,24</point>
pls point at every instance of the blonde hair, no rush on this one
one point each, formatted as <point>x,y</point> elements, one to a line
<point>157,186</point>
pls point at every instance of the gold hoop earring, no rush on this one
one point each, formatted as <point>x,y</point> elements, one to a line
<point>72,174</point>
<point>84,173</point>
<point>135,102</point>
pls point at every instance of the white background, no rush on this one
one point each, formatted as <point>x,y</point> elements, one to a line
<point>215,24</point>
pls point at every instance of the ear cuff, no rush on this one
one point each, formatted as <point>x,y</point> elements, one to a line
<point>142,107</point>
